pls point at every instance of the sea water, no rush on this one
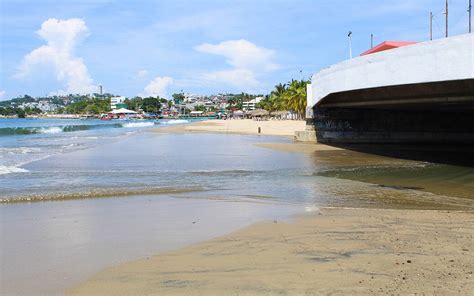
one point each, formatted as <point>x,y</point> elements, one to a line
<point>51,159</point>
<point>25,140</point>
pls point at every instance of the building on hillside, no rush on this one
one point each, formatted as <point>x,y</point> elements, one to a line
<point>117,103</point>
<point>251,105</point>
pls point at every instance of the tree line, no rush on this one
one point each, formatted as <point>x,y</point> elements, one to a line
<point>19,112</point>
<point>290,96</point>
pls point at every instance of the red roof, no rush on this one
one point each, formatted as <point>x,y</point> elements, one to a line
<point>387,45</point>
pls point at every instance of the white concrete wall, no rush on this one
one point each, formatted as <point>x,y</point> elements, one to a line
<point>439,60</point>
<point>309,96</point>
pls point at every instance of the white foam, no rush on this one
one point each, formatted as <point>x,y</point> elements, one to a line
<point>311,209</point>
<point>175,121</point>
<point>51,130</point>
<point>19,150</point>
<point>11,170</point>
<point>69,146</point>
<point>138,124</point>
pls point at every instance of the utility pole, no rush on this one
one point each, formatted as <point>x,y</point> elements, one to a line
<point>470,14</point>
<point>371,40</point>
<point>350,44</point>
<point>431,25</point>
<point>447,18</point>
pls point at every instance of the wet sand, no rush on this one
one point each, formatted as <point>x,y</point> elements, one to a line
<point>50,246</point>
<point>298,147</point>
<point>341,251</point>
<point>244,126</point>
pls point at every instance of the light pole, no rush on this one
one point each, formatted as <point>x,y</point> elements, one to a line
<point>350,44</point>
<point>431,25</point>
<point>446,12</point>
<point>470,14</point>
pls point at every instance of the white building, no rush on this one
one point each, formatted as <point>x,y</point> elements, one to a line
<point>251,105</point>
<point>114,101</point>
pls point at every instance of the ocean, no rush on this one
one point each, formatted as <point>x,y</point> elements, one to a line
<point>23,141</point>
<point>54,159</point>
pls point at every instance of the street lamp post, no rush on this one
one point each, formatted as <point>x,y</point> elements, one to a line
<point>350,44</point>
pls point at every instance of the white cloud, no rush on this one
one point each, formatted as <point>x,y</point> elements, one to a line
<point>158,86</point>
<point>142,73</point>
<point>242,54</point>
<point>62,37</point>
<point>248,61</point>
<point>241,78</point>
<point>2,94</point>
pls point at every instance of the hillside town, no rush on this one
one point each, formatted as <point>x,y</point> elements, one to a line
<point>285,101</point>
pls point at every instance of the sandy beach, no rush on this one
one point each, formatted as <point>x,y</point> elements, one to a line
<point>335,251</point>
<point>244,126</point>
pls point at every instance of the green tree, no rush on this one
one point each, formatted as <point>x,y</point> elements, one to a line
<point>20,113</point>
<point>151,104</point>
<point>178,98</point>
<point>134,104</point>
<point>295,97</point>
<point>200,108</point>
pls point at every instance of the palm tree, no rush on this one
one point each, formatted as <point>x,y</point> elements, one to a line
<point>277,101</point>
<point>295,97</point>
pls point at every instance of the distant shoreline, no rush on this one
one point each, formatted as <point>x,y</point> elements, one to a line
<point>285,128</point>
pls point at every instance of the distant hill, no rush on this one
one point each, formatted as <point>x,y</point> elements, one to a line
<point>27,105</point>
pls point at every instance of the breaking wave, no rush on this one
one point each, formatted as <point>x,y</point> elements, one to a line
<point>175,121</point>
<point>138,124</point>
<point>12,131</point>
<point>51,130</point>
<point>100,193</point>
<point>4,170</point>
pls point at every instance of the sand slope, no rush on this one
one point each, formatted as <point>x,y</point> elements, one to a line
<point>339,252</point>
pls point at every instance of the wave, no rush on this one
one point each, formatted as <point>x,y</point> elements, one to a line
<point>18,150</point>
<point>12,131</point>
<point>138,124</point>
<point>175,121</point>
<point>100,193</point>
<point>227,173</point>
<point>51,130</point>
<point>4,170</point>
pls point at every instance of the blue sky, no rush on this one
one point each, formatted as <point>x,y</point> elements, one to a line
<point>161,47</point>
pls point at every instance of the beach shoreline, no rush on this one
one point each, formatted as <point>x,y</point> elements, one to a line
<point>345,251</point>
<point>332,250</point>
<point>284,128</point>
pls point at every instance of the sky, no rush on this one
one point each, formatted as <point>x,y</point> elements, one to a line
<point>163,47</point>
